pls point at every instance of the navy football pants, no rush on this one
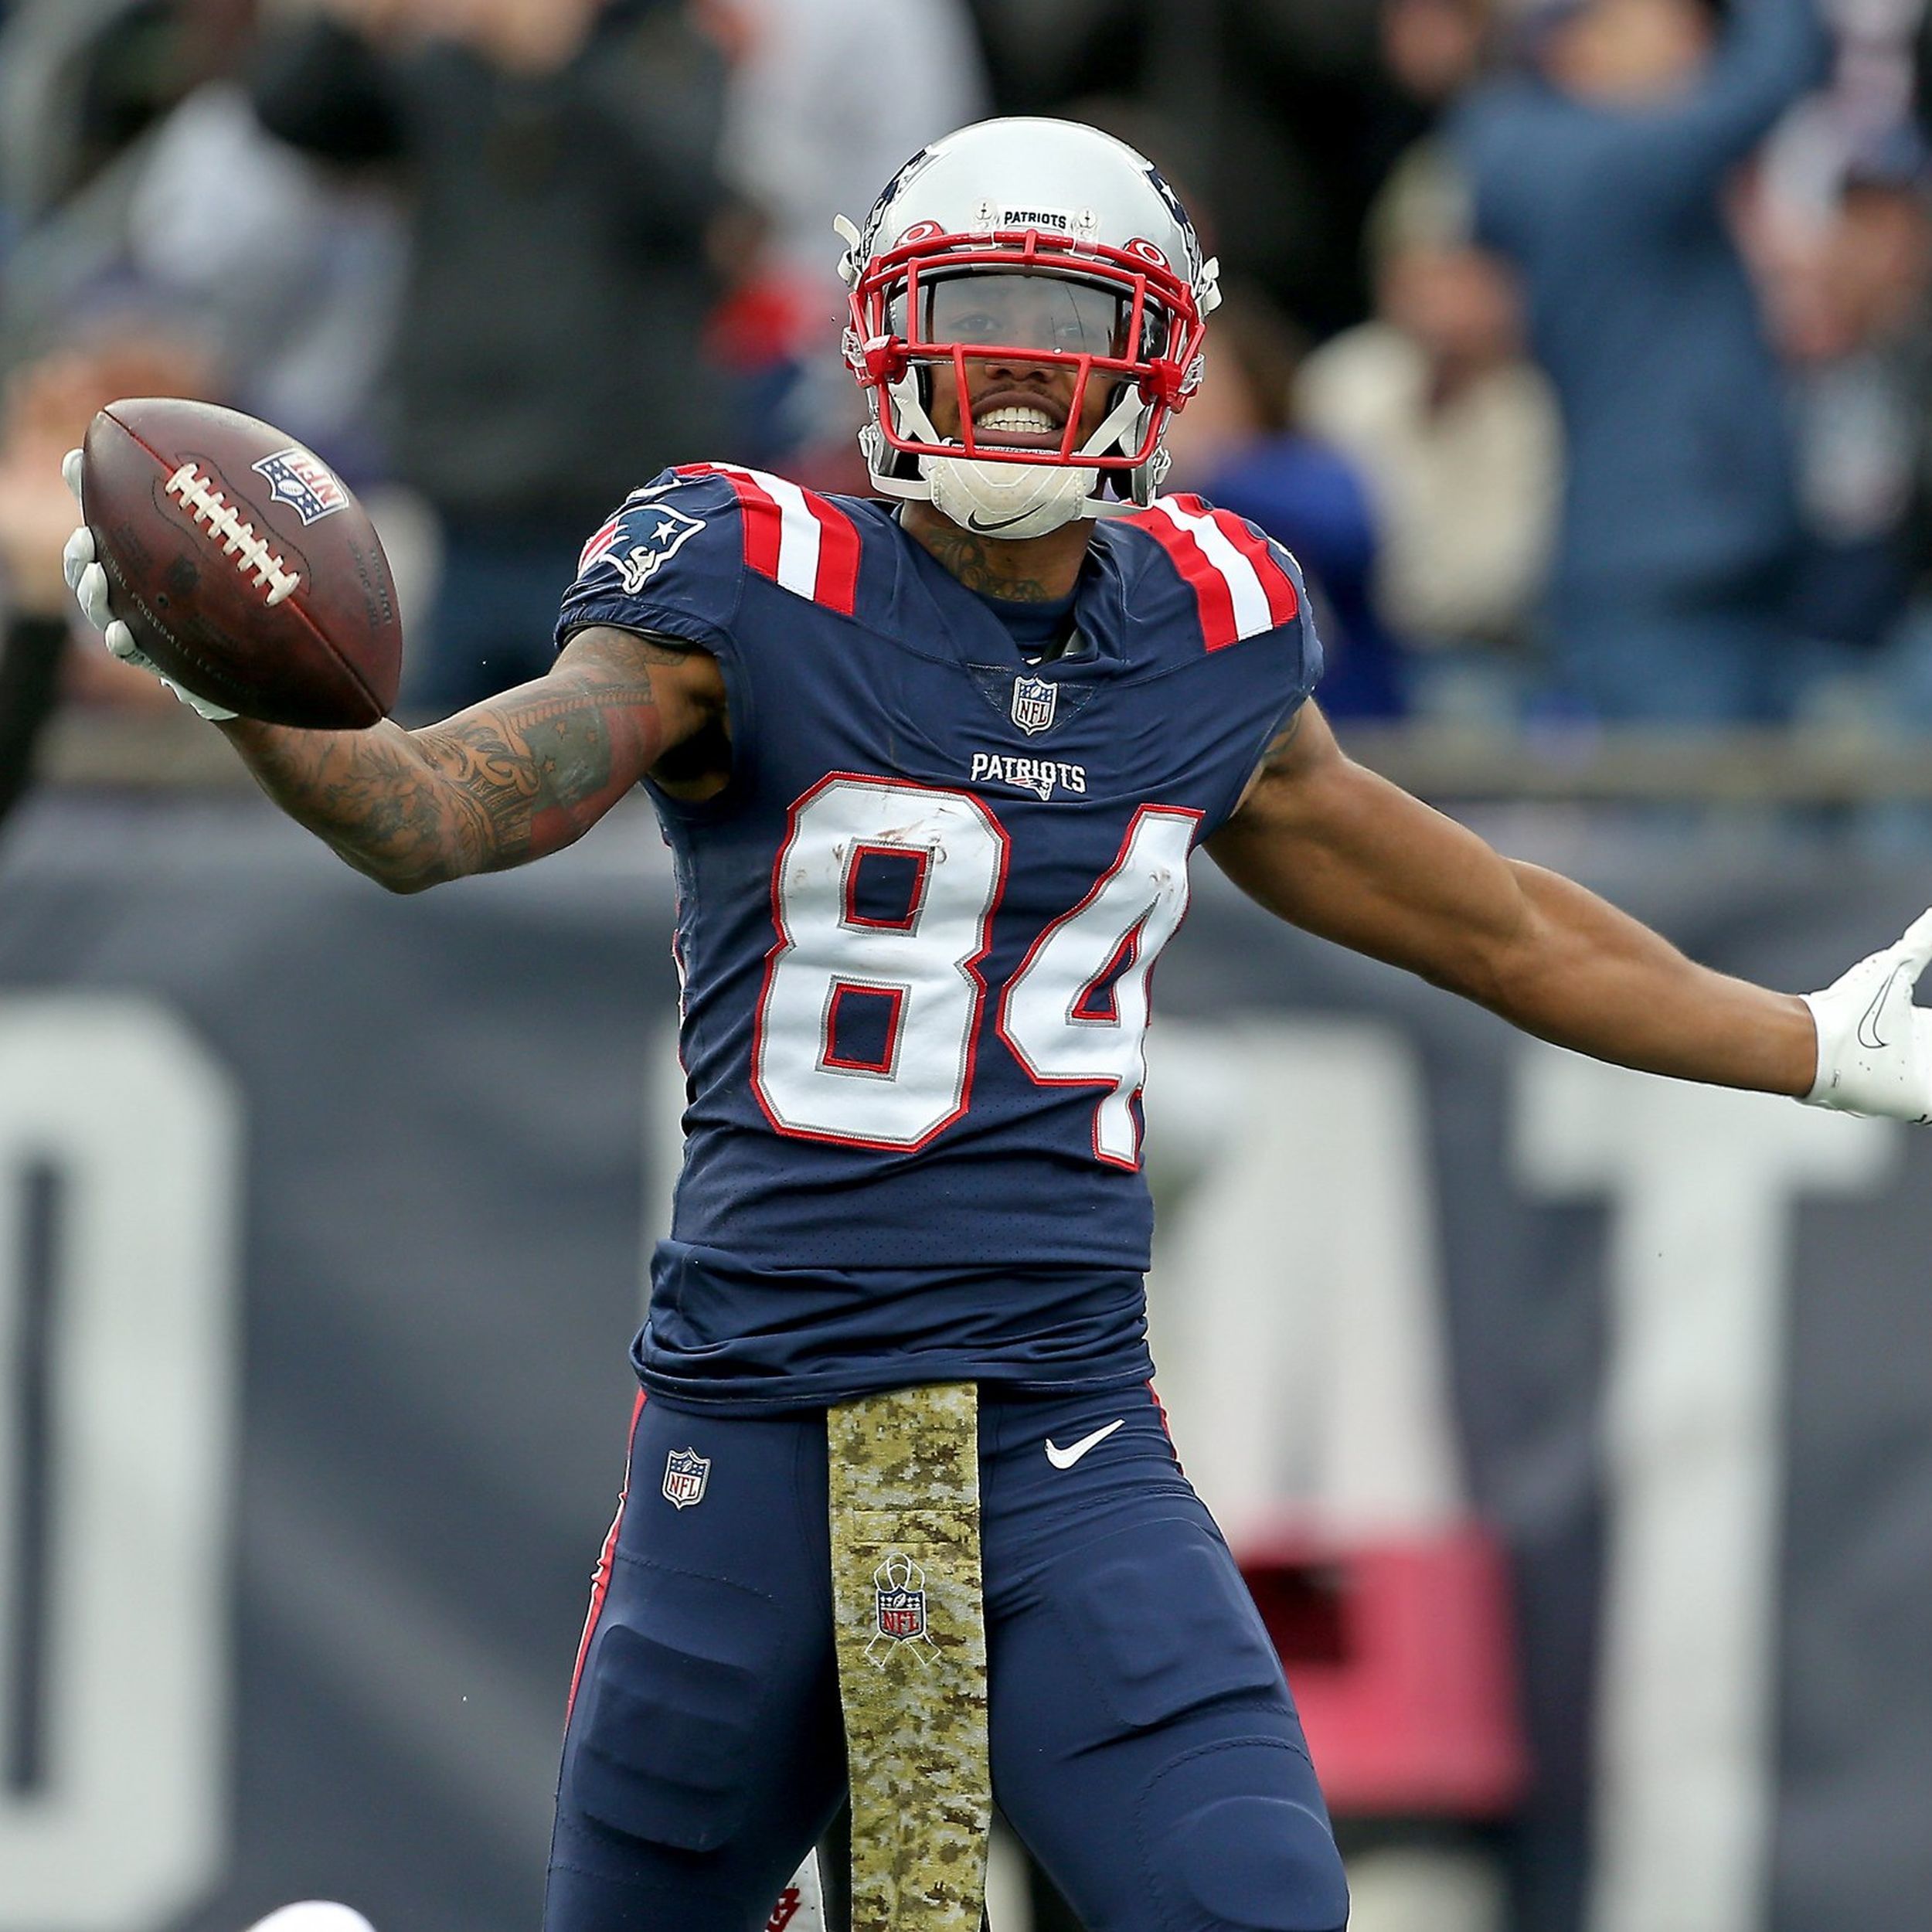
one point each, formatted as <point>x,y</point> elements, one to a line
<point>1144,1744</point>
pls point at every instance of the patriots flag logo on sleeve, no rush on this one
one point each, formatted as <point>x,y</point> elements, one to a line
<point>638,542</point>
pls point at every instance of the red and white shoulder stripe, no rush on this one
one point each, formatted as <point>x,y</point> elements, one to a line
<point>599,546</point>
<point>799,539</point>
<point>1239,583</point>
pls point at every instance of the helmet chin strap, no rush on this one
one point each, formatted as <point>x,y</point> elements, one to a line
<point>1010,501</point>
<point>1006,500</point>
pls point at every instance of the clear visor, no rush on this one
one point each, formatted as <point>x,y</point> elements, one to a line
<point>1017,308</point>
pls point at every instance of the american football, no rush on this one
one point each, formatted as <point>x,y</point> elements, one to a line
<point>243,566</point>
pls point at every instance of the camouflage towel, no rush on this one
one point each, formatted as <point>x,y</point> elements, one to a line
<point>912,1655</point>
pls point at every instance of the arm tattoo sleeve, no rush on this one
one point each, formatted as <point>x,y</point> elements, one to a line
<point>506,782</point>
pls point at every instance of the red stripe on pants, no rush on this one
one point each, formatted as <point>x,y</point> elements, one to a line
<point>600,1576</point>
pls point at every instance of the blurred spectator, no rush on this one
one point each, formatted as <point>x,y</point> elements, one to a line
<point>1285,114</point>
<point>1457,434</point>
<point>295,272</point>
<point>1853,306</point>
<point>1600,170</point>
<point>1852,290</point>
<point>33,614</point>
<point>1432,52</point>
<point>559,158</point>
<point>1433,49</point>
<point>1236,443</point>
<point>47,408</point>
<point>81,81</point>
<point>809,132</point>
<point>289,277</point>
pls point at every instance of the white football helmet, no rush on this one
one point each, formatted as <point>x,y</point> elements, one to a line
<point>1029,245</point>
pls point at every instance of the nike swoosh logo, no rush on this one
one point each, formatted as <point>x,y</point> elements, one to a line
<point>979,528</point>
<point>1065,1458</point>
<point>1869,1034</point>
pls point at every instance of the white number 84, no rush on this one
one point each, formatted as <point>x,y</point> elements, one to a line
<point>1075,1013</point>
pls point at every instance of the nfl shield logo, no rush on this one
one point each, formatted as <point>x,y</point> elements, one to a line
<point>901,1586</point>
<point>1033,702</point>
<point>685,1474</point>
<point>305,482</point>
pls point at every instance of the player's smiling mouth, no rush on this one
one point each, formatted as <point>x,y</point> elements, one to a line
<point>1005,422</point>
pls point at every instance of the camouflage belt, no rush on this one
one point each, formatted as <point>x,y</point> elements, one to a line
<point>912,1655</point>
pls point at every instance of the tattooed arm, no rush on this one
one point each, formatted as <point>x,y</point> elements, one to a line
<point>508,781</point>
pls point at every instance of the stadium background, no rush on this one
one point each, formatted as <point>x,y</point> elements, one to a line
<point>323,1215</point>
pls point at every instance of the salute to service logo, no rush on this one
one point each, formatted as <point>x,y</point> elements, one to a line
<point>899,1613</point>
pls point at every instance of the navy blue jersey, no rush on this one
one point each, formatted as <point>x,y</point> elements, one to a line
<point>916,929</point>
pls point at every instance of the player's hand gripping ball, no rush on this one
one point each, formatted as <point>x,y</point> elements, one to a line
<point>246,573</point>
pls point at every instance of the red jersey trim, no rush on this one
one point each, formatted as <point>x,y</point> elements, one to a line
<point>1240,588</point>
<point>798,538</point>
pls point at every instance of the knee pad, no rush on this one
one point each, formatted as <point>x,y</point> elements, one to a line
<point>1236,1837</point>
<point>674,1690</point>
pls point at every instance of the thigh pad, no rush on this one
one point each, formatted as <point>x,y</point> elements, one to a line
<point>1158,1614</point>
<point>682,1673</point>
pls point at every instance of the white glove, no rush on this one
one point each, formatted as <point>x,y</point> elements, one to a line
<point>88,581</point>
<point>1874,1046</point>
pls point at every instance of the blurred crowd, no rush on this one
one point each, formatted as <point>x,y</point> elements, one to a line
<point>1579,349</point>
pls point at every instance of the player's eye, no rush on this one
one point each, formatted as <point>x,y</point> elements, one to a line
<point>1086,321</point>
<point>963,311</point>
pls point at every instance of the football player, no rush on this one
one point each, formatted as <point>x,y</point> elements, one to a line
<point>933,765</point>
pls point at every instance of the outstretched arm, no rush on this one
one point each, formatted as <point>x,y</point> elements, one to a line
<point>1330,846</point>
<point>502,784</point>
